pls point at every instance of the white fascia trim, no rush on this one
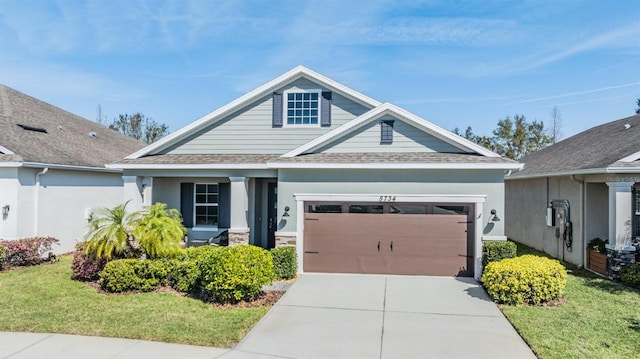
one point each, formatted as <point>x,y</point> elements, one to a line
<point>407,198</point>
<point>591,171</point>
<point>282,80</point>
<point>632,157</point>
<point>455,166</point>
<point>393,110</point>
<point>180,166</point>
<point>6,151</point>
<point>60,167</point>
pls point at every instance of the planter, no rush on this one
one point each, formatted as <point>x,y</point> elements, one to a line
<point>597,262</point>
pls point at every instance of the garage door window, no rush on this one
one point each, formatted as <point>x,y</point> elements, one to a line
<point>324,208</point>
<point>366,208</point>
<point>450,210</point>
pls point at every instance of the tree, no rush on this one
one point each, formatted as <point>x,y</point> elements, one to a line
<point>140,127</point>
<point>556,125</point>
<point>512,138</point>
<point>152,233</point>
<point>638,109</point>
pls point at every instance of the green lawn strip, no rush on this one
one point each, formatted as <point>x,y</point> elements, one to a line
<point>600,319</point>
<point>45,299</point>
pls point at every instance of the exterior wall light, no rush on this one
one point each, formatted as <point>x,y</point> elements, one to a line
<point>286,211</point>
<point>5,210</point>
<point>494,216</point>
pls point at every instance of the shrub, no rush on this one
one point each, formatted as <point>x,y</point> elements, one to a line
<point>85,267</point>
<point>1,256</point>
<point>27,251</point>
<point>231,274</point>
<point>599,244</point>
<point>630,275</point>
<point>527,279</point>
<point>184,275</point>
<point>284,262</point>
<point>497,250</point>
<point>124,275</point>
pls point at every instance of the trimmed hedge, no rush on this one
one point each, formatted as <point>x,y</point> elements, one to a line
<point>1,256</point>
<point>184,275</point>
<point>232,274</point>
<point>27,251</point>
<point>285,262</point>
<point>494,251</point>
<point>527,279</point>
<point>124,275</point>
<point>630,275</point>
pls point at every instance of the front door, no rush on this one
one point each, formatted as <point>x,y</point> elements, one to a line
<point>272,214</point>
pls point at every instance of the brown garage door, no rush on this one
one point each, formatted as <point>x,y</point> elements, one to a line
<point>383,242</point>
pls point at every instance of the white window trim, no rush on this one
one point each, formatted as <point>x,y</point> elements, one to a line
<point>285,108</point>
<point>201,227</point>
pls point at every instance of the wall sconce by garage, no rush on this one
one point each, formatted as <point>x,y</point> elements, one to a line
<point>5,210</point>
<point>286,211</point>
<point>494,216</point>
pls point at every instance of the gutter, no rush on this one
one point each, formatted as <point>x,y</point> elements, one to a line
<point>591,171</point>
<point>61,167</point>
<point>36,200</point>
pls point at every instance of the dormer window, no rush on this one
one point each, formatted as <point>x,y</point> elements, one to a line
<point>302,107</point>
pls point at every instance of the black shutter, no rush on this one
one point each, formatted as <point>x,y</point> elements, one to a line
<point>186,204</point>
<point>386,131</point>
<point>325,110</point>
<point>224,205</point>
<point>277,110</point>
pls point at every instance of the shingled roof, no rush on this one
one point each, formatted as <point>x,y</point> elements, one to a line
<point>600,148</point>
<point>35,131</point>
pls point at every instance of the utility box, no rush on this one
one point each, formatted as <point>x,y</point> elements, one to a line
<point>550,217</point>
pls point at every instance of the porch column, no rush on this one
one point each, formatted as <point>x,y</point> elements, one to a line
<point>239,230</point>
<point>619,211</point>
<point>133,192</point>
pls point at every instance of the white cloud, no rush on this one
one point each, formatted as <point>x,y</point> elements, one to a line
<point>575,93</point>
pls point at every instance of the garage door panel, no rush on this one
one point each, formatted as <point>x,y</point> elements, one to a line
<point>427,244</point>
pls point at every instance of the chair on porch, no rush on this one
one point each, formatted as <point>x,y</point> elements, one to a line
<point>221,239</point>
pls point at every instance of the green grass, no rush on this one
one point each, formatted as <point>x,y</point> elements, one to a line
<point>45,299</point>
<point>600,319</point>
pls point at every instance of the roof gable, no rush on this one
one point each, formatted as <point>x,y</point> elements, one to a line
<point>387,109</point>
<point>35,131</point>
<point>249,98</point>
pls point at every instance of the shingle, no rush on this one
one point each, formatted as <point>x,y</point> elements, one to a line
<point>67,140</point>
<point>201,159</point>
<point>596,148</point>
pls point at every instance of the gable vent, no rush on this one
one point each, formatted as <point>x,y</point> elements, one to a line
<point>31,128</point>
<point>386,131</point>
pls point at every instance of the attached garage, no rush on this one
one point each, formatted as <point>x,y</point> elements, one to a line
<point>389,238</point>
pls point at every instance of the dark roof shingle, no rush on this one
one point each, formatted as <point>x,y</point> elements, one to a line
<point>67,140</point>
<point>596,148</point>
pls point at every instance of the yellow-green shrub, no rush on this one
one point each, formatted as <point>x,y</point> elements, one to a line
<point>527,279</point>
<point>125,275</point>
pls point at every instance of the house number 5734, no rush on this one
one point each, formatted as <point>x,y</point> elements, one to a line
<point>387,199</point>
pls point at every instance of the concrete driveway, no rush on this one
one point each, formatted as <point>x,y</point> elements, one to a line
<point>376,316</point>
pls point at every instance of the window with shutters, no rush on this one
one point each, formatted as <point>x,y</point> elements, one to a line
<point>205,209</point>
<point>302,107</point>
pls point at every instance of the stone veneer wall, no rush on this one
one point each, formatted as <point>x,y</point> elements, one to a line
<point>616,259</point>
<point>285,241</point>
<point>238,238</point>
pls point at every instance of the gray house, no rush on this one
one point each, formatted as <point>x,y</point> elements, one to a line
<point>52,169</point>
<point>581,188</point>
<point>358,186</point>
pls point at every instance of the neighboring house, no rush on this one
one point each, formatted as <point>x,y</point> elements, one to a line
<point>356,185</point>
<point>590,180</point>
<point>52,169</point>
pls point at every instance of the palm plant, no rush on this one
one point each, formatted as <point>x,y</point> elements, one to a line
<point>159,231</point>
<point>110,233</point>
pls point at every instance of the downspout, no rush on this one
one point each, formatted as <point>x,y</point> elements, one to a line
<point>36,201</point>
<point>583,204</point>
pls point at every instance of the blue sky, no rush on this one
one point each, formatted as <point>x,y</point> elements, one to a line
<point>455,63</point>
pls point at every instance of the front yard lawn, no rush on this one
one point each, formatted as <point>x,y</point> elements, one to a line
<point>600,319</point>
<point>45,299</point>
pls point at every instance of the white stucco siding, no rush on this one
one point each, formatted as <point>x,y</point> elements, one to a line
<point>390,182</point>
<point>406,138</point>
<point>525,215</point>
<point>9,189</point>
<point>62,199</point>
<point>250,130</point>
